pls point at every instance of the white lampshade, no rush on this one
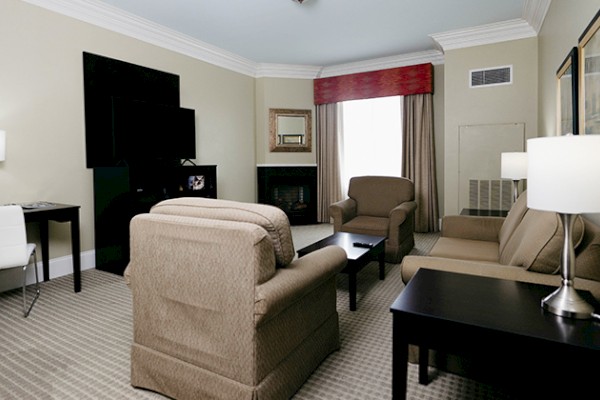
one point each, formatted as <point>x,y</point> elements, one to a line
<point>563,174</point>
<point>2,145</point>
<point>513,166</point>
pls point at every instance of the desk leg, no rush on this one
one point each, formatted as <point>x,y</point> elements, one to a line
<point>399,360</point>
<point>76,248</point>
<point>45,252</point>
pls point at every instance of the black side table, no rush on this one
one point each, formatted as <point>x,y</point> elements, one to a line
<point>499,322</point>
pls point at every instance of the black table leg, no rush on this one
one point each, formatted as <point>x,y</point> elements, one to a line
<point>76,248</point>
<point>352,289</point>
<point>381,259</point>
<point>399,360</point>
<point>423,365</point>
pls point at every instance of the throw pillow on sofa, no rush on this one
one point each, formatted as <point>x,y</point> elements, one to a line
<point>537,242</point>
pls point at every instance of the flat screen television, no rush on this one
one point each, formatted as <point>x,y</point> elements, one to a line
<point>105,78</point>
<point>147,132</point>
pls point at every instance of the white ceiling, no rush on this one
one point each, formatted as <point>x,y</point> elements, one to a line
<point>317,33</point>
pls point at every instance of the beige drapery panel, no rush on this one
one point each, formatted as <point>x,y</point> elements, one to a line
<point>418,159</point>
<point>329,188</point>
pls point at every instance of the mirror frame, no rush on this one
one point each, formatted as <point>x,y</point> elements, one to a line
<point>567,95</point>
<point>274,113</point>
<point>589,122</point>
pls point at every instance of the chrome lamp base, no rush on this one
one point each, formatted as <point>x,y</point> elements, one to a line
<point>566,302</point>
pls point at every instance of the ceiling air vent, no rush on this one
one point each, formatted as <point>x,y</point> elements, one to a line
<point>491,76</point>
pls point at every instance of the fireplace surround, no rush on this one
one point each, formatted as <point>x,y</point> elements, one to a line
<point>291,188</point>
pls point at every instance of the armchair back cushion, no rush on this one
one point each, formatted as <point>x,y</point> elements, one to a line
<point>270,218</point>
<point>376,195</point>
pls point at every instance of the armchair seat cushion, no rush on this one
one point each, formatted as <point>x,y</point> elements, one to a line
<point>366,225</point>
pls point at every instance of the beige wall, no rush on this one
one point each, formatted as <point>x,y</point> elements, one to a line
<point>515,103</point>
<point>42,111</point>
<point>282,93</point>
<point>563,25</point>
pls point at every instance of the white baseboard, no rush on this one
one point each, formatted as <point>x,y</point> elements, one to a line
<point>61,266</point>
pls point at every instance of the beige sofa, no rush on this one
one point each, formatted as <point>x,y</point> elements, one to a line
<point>380,206</point>
<point>221,310</point>
<point>525,246</point>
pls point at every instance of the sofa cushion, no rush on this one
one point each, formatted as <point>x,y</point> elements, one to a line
<point>465,249</point>
<point>271,218</point>
<point>512,220</point>
<point>536,243</point>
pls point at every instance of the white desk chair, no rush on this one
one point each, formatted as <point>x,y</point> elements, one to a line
<point>15,252</point>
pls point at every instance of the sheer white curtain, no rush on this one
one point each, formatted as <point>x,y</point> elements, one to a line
<point>371,139</point>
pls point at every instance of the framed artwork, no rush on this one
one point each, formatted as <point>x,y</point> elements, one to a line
<point>567,95</point>
<point>589,83</point>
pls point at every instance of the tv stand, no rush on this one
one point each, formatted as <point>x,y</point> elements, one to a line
<point>122,192</point>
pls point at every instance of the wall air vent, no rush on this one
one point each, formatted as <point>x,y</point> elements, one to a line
<point>490,76</point>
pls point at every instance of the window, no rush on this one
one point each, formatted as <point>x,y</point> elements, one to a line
<point>371,138</point>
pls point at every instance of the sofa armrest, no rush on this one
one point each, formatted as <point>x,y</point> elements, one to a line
<point>471,227</point>
<point>342,212</point>
<point>293,282</point>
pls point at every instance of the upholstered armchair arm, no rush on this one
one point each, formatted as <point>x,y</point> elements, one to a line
<point>398,215</point>
<point>472,227</point>
<point>402,211</point>
<point>293,282</point>
<point>342,212</point>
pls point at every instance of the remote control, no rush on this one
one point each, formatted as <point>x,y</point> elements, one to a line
<point>360,244</point>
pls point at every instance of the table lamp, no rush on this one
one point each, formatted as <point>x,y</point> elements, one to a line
<point>2,145</point>
<point>563,175</point>
<point>514,166</point>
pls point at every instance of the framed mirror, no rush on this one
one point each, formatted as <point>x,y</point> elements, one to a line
<point>567,95</point>
<point>589,87</point>
<point>290,130</point>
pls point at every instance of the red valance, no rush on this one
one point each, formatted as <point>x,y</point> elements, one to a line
<point>401,81</point>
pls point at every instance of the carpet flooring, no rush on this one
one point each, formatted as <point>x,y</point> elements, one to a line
<point>76,345</point>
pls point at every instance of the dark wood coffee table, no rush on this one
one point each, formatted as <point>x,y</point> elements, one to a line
<point>500,323</point>
<point>358,257</point>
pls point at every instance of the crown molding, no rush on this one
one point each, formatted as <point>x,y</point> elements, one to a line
<point>116,20</point>
<point>287,71</point>
<point>111,18</point>
<point>430,56</point>
<point>484,34</point>
<point>534,12</point>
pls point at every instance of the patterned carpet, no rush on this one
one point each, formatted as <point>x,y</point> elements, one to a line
<point>76,346</point>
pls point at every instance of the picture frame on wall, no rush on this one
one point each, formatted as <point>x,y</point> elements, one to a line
<point>589,82</point>
<point>567,95</point>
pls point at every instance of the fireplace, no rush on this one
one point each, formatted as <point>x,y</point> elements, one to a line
<point>291,188</point>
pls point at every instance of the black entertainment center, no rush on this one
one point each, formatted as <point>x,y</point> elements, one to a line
<point>137,136</point>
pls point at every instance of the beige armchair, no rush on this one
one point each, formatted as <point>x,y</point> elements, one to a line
<point>221,310</point>
<point>379,206</point>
